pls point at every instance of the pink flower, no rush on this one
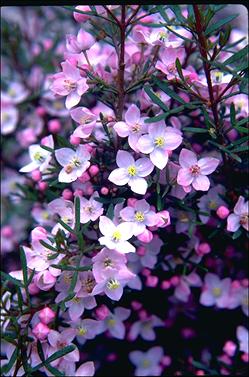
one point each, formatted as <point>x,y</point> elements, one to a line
<point>239,217</point>
<point>216,291</point>
<point>86,369</point>
<point>74,163</point>
<point>65,209</point>
<point>41,331</point>
<point>108,263</point>
<point>9,117</point>
<point>69,83</point>
<point>86,119</point>
<point>90,209</point>
<point>140,216</point>
<point>158,142</point>
<point>147,363</point>
<point>82,42</point>
<point>131,172</point>
<point>115,237</point>
<point>195,172</point>
<point>242,335</point>
<point>40,158</point>
<point>61,340</point>
<point>133,127</point>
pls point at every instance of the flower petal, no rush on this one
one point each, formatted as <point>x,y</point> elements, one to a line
<point>208,165</point>
<point>145,144</point>
<point>119,177</point>
<point>184,177</point>
<point>159,158</point>
<point>201,183</point>
<point>64,155</point>
<point>124,159</point>
<point>122,129</point>
<point>132,115</point>
<point>72,99</point>
<point>187,158</point>
<point>138,185</point>
<point>144,167</point>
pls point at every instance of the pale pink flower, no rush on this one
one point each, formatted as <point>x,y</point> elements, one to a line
<point>158,142</point>
<point>82,42</point>
<point>113,322</point>
<point>239,217</point>
<point>140,216</point>
<point>195,171</point>
<point>113,286</point>
<point>216,291</point>
<point>90,210</point>
<point>158,36</point>
<point>86,119</point>
<point>108,263</point>
<point>9,117</point>
<point>133,127</point>
<point>86,369</point>
<point>15,94</point>
<point>65,209</point>
<point>242,335</point>
<point>69,83</point>
<point>147,363</point>
<point>131,172</point>
<point>61,340</point>
<point>74,163</point>
<point>40,158</point>
<point>116,236</point>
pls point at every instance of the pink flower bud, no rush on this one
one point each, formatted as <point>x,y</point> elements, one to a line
<point>38,233</point>
<point>112,357</point>
<point>78,192</point>
<point>146,272</point>
<point>131,202</point>
<point>7,231</point>
<point>104,191</point>
<point>141,251</point>
<point>40,111</point>
<point>245,357</point>
<point>229,348</point>
<point>80,17</point>
<point>203,248</point>
<point>74,140</point>
<point>84,177</point>
<point>151,281</point>
<point>163,219</point>
<point>102,312</point>
<point>245,283</point>
<point>143,314</point>
<point>41,331</point>
<point>175,281</point>
<point>236,284</point>
<point>47,44</point>
<point>85,40</point>
<point>166,361</point>
<point>165,285</point>
<point>67,194</point>
<point>222,212</point>
<point>42,186</point>
<point>36,175</point>
<point>146,236</point>
<point>44,280</point>
<point>33,289</point>
<point>46,315</point>
<point>136,305</point>
<point>200,373</point>
<point>93,170</point>
<point>89,190</point>
<point>54,125</point>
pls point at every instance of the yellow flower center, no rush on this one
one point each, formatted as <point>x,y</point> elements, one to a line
<point>111,322</point>
<point>132,170</point>
<point>76,300</point>
<point>38,156</point>
<point>139,216</point>
<point>218,77</point>
<point>5,117</point>
<point>12,92</point>
<point>82,331</point>
<point>136,127</point>
<point>159,141</point>
<point>76,162</point>
<point>58,105</point>
<point>146,363</point>
<point>162,35</point>
<point>116,236</point>
<point>216,292</point>
<point>113,284</point>
<point>45,215</point>
<point>212,204</point>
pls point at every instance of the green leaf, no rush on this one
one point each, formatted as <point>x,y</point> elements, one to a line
<point>232,115</point>
<point>176,9</point>
<point>54,357</point>
<point>236,234</point>
<point>179,69</point>
<point>156,118</point>
<point>109,200</point>
<point>243,148</point>
<point>110,211</point>
<point>24,266</point>
<point>47,148</point>
<point>63,142</point>
<point>47,246</point>
<point>165,88</point>
<point>77,214</point>
<point>195,130</point>
<point>7,367</point>
<point>67,227</point>
<point>155,98</point>
<point>71,268</point>
<point>11,279</point>
<point>214,27</point>
<point>237,56</point>
<point>224,149</point>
